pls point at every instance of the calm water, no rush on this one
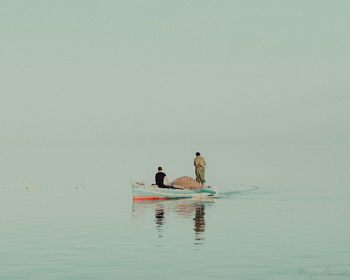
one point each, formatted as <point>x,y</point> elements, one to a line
<point>67,213</point>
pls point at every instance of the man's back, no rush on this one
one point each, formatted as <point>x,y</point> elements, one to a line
<point>200,161</point>
<point>160,178</point>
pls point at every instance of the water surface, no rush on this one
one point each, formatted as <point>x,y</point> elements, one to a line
<point>282,213</point>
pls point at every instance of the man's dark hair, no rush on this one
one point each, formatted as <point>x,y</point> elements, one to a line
<point>159,168</point>
<point>198,154</point>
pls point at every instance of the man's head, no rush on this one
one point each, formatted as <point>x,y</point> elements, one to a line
<point>160,169</point>
<point>198,154</point>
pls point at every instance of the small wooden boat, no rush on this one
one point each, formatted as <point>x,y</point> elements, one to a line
<point>143,192</point>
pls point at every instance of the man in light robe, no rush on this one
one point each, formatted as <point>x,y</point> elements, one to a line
<point>200,165</point>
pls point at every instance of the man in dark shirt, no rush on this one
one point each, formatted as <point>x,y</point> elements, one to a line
<point>160,179</point>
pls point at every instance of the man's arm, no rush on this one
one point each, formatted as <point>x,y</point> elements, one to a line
<point>202,162</point>
<point>166,178</point>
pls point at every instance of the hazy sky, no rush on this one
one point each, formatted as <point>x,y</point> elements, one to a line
<point>175,72</point>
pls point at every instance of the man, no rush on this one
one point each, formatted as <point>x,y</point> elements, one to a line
<point>160,176</point>
<point>200,164</point>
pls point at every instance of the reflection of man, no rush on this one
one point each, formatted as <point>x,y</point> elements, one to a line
<point>199,221</point>
<point>160,176</point>
<point>200,164</point>
<point>159,219</point>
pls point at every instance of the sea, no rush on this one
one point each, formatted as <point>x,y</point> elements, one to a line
<point>282,212</point>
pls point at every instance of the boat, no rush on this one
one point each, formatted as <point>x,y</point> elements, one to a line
<point>142,192</point>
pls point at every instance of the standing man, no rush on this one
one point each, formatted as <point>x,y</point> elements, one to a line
<point>160,176</point>
<point>200,164</point>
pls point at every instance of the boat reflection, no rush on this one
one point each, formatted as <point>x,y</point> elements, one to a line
<point>185,208</point>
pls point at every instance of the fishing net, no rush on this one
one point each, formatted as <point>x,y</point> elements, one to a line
<point>187,183</point>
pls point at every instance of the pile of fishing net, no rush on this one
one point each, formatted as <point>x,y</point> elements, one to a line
<point>186,183</point>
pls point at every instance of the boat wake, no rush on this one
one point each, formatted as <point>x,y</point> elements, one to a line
<point>237,190</point>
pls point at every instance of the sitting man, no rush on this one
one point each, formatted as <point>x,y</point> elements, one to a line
<point>160,179</point>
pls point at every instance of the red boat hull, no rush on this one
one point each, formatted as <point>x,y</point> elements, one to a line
<point>145,198</point>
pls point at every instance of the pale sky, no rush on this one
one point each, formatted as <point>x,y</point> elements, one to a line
<point>220,72</point>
